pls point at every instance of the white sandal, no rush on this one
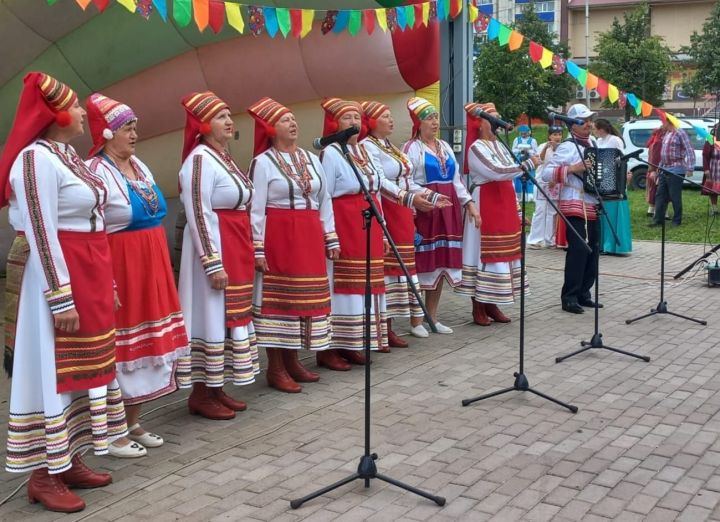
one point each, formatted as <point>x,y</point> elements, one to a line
<point>128,451</point>
<point>147,439</point>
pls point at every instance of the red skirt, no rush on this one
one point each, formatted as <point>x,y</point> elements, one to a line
<point>86,359</point>
<point>238,257</point>
<point>441,230</point>
<point>349,270</point>
<point>401,225</point>
<point>296,283</point>
<point>500,228</point>
<point>149,322</point>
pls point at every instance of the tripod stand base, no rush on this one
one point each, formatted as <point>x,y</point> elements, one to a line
<point>661,308</point>
<point>366,471</point>
<point>596,342</point>
<point>521,384</point>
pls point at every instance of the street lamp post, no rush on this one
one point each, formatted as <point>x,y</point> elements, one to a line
<point>587,47</point>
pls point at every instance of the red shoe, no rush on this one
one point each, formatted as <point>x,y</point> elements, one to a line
<point>277,375</point>
<point>52,493</point>
<point>80,476</point>
<point>393,339</point>
<point>331,360</point>
<point>352,356</point>
<point>495,314</point>
<point>479,313</point>
<point>203,402</point>
<point>227,401</point>
<point>295,368</point>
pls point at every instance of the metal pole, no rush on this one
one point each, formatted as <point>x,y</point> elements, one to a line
<point>587,47</point>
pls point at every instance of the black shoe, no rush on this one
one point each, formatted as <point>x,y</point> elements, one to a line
<point>573,308</point>
<point>589,303</point>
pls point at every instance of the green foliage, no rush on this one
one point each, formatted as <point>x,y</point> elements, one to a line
<point>633,59</point>
<point>703,50</point>
<point>513,82</point>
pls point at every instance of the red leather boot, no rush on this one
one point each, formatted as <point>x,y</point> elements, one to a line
<point>353,356</point>
<point>393,339</point>
<point>495,314</point>
<point>203,402</point>
<point>295,368</point>
<point>52,493</point>
<point>80,476</point>
<point>479,313</point>
<point>277,375</point>
<point>331,360</point>
<point>228,401</point>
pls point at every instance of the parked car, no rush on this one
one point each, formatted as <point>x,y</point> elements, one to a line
<point>637,133</point>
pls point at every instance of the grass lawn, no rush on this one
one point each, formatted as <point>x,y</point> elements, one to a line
<point>692,230</point>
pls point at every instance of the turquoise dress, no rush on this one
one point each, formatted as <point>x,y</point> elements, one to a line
<point>618,214</point>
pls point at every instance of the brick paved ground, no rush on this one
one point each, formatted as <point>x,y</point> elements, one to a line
<point>644,445</point>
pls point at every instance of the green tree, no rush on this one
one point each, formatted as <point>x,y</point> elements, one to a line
<point>693,88</point>
<point>633,59</point>
<point>512,81</point>
<point>703,51</point>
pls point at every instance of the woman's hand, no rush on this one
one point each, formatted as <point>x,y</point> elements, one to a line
<point>261,264</point>
<point>67,321</point>
<point>580,166</point>
<point>421,202</point>
<point>473,214</point>
<point>116,300</point>
<point>219,280</point>
<point>386,247</point>
<point>443,202</point>
<point>332,253</point>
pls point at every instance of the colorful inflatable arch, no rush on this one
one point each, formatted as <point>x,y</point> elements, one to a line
<point>150,65</point>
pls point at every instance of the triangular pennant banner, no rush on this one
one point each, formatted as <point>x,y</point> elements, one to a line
<point>271,21</point>
<point>572,69</point>
<point>613,93</point>
<point>130,5</point>
<point>558,64</point>
<point>234,16</point>
<point>646,109</point>
<point>284,22</point>
<point>535,50</point>
<point>296,22</point>
<point>410,16</point>
<point>547,58</point>
<point>582,77</point>
<point>400,17</point>
<point>493,30</point>
<point>504,34</point>
<point>592,81</point>
<point>83,3</point>
<point>182,12</point>
<point>201,9</point>
<point>256,20</point>
<point>516,40</point>
<point>392,20</point>
<point>308,15</point>
<point>102,5</point>
<point>672,119</point>
<point>217,15</point>
<point>369,19</point>
<point>161,8</point>
<point>472,13</point>
<point>329,22</point>
<point>381,16</point>
<point>426,13</point>
<point>341,23</point>
<point>145,8</point>
<point>455,8</point>
<point>622,100</point>
<point>602,88</point>
<point>355,22</point>
<point>632,99</point>
<point>441,9</point>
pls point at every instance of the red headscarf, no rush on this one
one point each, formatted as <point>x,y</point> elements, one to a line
<point>474,124</point>
<point>200,108</point>
<point>334,109</point>
<point>372,110</point>
<point>43,101</point>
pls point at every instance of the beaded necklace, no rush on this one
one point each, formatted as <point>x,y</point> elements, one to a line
<point>303,178</point>
<point>140,186</point>
<point>391,150</point>
<point>231,166</point>
<point>76,165</point>
<point>362,162</point>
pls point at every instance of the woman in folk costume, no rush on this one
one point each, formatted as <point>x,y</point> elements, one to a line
<point>711,170</point>
<point>293,231</point>
<point>347,273</point>
<point>59,325</point>
<point>438,244</point>
<point>491,258</point>
<point>151,334</point>
<point>378,125</point>
<point>542,229</point>
<point>218,263</point>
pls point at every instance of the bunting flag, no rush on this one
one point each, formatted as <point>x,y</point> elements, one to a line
<point>201,10</point>
<point>613,93</point>
<point>410,16</point>
<point>161,8</point>
<point>182,12</point>
<point>417,14</point>
<point>400,17</point>
<point>672,119</point>
<point>426,14</point>
<point>217,16</point>
<point>296,22</point>
<point>591,82</point>
<point>504,35</point>
<point>234,17</point>
<point>308,15</point>
<point>392,24</point>
<point>582,77</point>
<point>602,88</point>
<point>355,22</point>
<point>341,21</point>
<point>271,21</point>
<point>493,30</point>
<point>382,19</point>
<point>83,3</point>
<point>256,20</point>
<point>572,69</point>
<point>283,18</point>
<point>535,51</point>
<point>473,13</point>
<point>369,20</point>
<point>558,64</point>
<point>547,58</point>
<point>329,22</point>
<point>516,40</point>
<point>103,4</point>
<point>130,5</point>
<point>646,109</point>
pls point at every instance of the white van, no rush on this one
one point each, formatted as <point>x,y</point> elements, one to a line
<point>637,133</point>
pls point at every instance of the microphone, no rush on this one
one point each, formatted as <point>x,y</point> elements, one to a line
<point>629,156</point>
<point>566,119</point>
<point>338,137</point>
<point>493,120</point>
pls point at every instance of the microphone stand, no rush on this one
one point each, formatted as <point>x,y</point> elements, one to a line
<point>597,339</point>
<point>521,381</point>
<point>661,307</point>
<point>367,469</point>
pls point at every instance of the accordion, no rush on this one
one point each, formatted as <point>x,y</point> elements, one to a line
<point>607,177</point>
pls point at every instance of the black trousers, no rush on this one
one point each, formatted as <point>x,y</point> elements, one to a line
<point>669,189</point>
<point>580,266</point>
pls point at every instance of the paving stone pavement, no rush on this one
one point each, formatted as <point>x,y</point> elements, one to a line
<point>643,446</point>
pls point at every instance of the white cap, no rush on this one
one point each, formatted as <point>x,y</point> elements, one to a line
<point>579,111</point>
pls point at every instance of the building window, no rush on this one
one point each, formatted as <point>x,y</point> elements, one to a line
<point>547,6</point>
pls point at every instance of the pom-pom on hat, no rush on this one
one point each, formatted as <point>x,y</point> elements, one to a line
<point>335,108</point>
<point>419,109</point>
<point>372,110</point>
<point>105,117</point>
<point>43,101</point>
<point>200,108</point>
<point>266,112</point>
